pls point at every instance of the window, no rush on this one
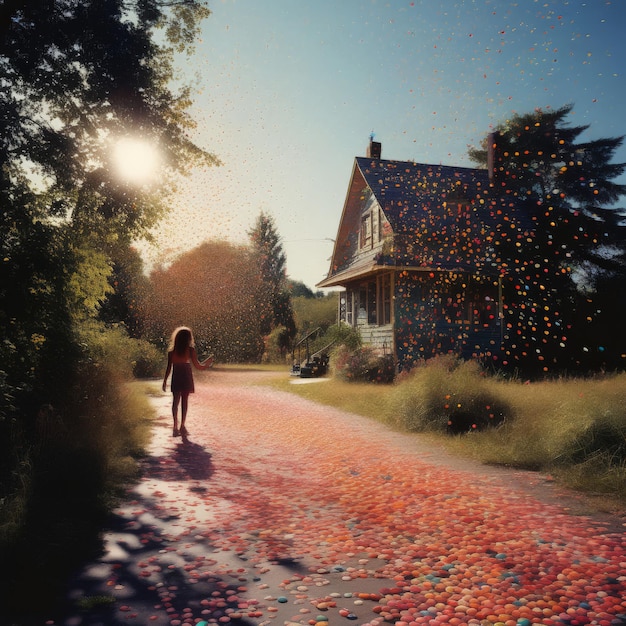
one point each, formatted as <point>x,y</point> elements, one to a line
<point>366,231</point>
<point>371,303</point>
<point>384,299</point>
<point>368,303</point>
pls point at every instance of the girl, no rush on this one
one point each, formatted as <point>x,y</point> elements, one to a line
<point>180,356</point>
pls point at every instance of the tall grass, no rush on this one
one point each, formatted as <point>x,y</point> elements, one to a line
<point>446,395</point>
<point>575,428</point>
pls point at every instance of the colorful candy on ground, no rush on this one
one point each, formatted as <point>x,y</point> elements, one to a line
<point>374,532</point>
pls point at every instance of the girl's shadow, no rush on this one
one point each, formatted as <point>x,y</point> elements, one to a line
<point>194,459</point>
<point>187,461</point>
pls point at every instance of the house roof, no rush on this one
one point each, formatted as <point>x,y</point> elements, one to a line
<point>405,190</point>
<point>442,217</point>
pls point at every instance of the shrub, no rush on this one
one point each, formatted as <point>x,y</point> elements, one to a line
<point>81,452</point>
<point>362,365</point>
<point>276,344</point>
<point>343,335</point>
<point>446,394</point>
<point>146,359</point>
<point>111,345</point>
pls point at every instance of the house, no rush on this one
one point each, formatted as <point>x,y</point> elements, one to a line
<point>416,253</point>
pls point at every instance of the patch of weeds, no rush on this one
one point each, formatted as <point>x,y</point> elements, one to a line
<point>90,603</point>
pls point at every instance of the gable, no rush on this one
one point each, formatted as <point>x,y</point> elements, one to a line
<point>347,253</point>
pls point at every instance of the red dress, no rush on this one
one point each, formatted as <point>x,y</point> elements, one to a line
<point>182,375</point>
<point>182,378</point>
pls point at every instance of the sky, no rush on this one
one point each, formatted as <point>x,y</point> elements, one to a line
<point>288,92</point>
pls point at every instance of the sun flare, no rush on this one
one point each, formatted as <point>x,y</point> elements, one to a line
<point>136,160</point>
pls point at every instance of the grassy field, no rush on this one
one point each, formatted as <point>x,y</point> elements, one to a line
<point>574,429</point>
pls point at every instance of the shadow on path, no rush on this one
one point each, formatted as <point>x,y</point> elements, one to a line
<point>150,567</point>
<point>189,461</point>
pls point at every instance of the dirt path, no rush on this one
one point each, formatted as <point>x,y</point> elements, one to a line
<point>275,509</point>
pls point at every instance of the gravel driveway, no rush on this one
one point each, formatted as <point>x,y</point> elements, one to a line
<point>275,509</point>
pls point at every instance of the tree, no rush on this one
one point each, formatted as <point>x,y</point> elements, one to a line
<point>129,287</point>
<point>78,79</point>
<point>215,289</point>
<point>276,309</point>
<point>299,289</point>
<point>566,242</point>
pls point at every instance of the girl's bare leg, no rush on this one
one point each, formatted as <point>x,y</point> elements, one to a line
<point>175,403</point>
<point>183,411</point>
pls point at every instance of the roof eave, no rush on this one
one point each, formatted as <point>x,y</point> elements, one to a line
<point>342,278</point>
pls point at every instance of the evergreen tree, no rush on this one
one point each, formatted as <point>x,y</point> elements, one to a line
<point>276,310</point>
<point>566,245</point>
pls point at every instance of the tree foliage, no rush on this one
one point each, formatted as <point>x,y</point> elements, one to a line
<point>276,309</point>
<point>82,76</point>
<point>128,289</point>
<point>215,289</point>
<point>311,313</point>
<point>76,78</point>
<point>565,245</point>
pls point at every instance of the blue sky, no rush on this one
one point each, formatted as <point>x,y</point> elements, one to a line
<point>287,93</point>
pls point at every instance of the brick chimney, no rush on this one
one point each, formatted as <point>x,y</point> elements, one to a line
<point>493,155</point>
<point>374,149</point>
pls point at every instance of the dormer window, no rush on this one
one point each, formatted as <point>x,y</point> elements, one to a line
<point>374,227</point>
<point>366,239</point>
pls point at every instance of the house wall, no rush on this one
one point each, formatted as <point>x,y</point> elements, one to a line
<point>378,337</point>
<point>366,235</point>
<point>445,313</point>
<point>432,313</point>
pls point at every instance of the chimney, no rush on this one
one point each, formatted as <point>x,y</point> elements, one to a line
<point>374,149</point>
<point>493,155</point>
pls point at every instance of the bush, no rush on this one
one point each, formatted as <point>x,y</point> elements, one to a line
<point>147,360</point>
<point>447,395</point>
<point>130,357</point>
<point>362,365</point>
<point>343,335</point>
<point>79,454</point>
<point>276,346</point>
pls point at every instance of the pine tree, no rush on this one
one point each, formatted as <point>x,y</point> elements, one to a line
<point>277,310</point>
<point>568,246</point>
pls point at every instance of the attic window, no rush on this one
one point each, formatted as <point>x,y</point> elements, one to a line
<point>366,239</point>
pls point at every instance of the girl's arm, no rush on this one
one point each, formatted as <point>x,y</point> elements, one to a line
<point>168,370</point>
<point>201,366</point>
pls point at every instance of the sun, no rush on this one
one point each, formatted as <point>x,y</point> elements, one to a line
<point>136,160</point>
